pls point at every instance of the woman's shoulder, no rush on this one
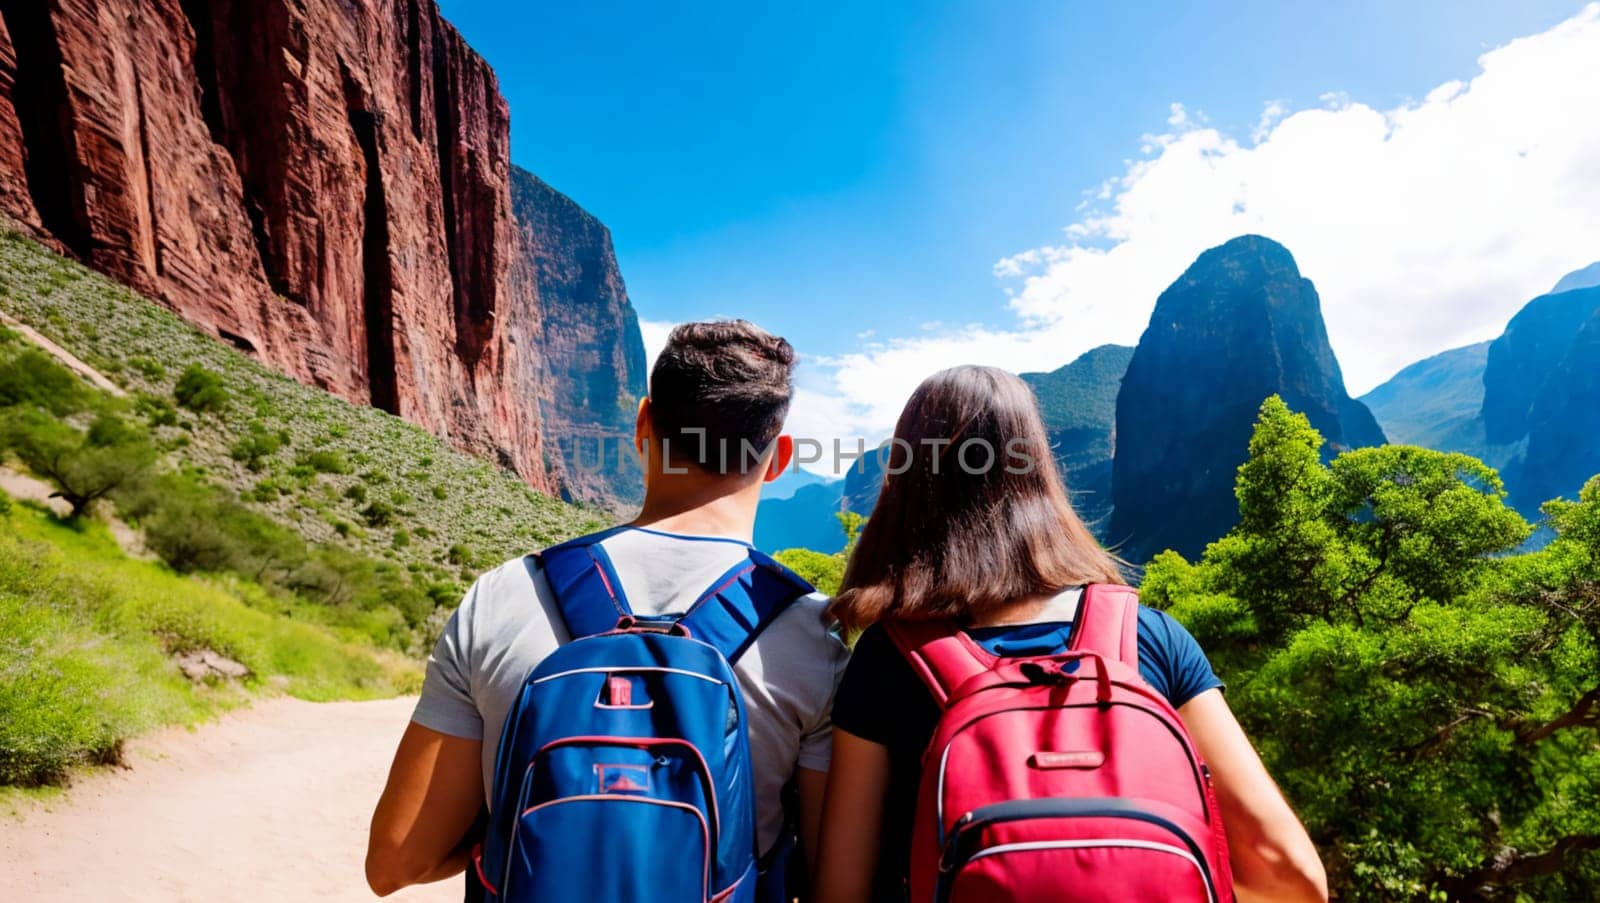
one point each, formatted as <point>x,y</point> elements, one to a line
<point>1171,659</point>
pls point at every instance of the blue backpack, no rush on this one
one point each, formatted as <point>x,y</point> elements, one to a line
<point>623,771</point>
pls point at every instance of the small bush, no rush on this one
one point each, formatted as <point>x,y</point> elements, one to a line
<point>378,513</point>
<point>201,390</point>
<point>33,378</point>
<point>156,411</point>
<point>149,367</point>
<point>439,492</point>
<point>253,449</point>
<point>356,493</point>
<point>325,461</point>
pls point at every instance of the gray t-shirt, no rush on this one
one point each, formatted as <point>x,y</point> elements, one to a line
<point>509,622</point>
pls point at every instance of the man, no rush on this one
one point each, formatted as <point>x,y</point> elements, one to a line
<point>709,435</point>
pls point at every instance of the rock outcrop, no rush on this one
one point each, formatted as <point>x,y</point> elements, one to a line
<point>1241,324</point>
<point>321,183</point>
<point>1564,426</point>
<point>1079,405</point>
<point>591,343</point>
<point>1541,401</point>
<point>1523,358</point>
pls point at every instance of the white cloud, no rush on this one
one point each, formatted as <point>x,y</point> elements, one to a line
<point>1424,226</point>
<point>654,333</point>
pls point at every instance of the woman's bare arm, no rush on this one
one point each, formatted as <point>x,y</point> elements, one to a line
<point>852,820</point>
<point>1272,856</point>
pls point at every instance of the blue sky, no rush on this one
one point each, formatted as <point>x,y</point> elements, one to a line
<point>850,174</point>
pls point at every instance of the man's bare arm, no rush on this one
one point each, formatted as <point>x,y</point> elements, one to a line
<point>434,793</point>
<point>809,787</point>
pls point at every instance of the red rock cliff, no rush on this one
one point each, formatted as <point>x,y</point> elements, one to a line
<point>592,349</point>
<point>323,183</point>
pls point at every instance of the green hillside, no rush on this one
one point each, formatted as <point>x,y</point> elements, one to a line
<point>337,473</point>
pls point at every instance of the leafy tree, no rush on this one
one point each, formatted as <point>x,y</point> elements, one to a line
<point>1430,702</point>
<point>200,390</point>
<point>82,466</point>
<point>820,569</point>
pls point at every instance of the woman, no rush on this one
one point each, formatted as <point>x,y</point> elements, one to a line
<point>974,524</point>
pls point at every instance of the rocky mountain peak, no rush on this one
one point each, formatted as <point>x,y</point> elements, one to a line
<point>1240,324</point>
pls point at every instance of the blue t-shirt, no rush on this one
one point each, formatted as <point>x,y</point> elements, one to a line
<point>881,699</point>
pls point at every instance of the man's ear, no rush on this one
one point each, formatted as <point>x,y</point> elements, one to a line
<point>643,427</point>
<point>781,456</point>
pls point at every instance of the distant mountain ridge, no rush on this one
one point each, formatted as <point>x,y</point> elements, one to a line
<point>1239,325</point>
<point>1078,403</point>
<point>1537,418</point>
<point>1436,402</point>
<point>1588,277</point>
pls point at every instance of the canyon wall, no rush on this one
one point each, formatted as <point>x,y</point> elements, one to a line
<point>593,350</point>
<point>323,183</point>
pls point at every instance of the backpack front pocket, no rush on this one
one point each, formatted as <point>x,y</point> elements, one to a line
<point>612,847</point>
<point>1086,849</point>
<point>595,813</point>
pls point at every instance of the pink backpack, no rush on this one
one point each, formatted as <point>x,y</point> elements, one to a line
<point>1062,777</point>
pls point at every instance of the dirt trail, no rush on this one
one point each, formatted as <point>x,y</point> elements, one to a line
<point>268,803</point>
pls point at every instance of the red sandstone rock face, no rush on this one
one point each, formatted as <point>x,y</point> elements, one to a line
<point>593,351</point>
<point>322,183</point>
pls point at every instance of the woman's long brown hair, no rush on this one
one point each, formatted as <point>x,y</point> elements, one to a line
<point>957,533</point>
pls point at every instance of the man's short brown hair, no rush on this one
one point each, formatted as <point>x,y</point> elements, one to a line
<point>719,390</point>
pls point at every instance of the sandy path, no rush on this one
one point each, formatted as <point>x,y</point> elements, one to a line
<point>268,803</point>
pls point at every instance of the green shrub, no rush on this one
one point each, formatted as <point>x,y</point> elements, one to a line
<point>157,411</point>
<point>151,368</point>
<point>201,390</point>
<point>439,492</point>
<point>378,513</point>
<point>356,493</point>
<point>325,461</point>
<point>32,378</point>
<point>1424,695</point>
<point>254,448</point>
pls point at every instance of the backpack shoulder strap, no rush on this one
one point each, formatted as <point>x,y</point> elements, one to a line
<point>1108,622</point>
<point>585,585</point>
<point>942,655</point>
<point>743,601</point>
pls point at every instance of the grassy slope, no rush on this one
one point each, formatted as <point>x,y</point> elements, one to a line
<point>86,634</point>
<point>454,514</point>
